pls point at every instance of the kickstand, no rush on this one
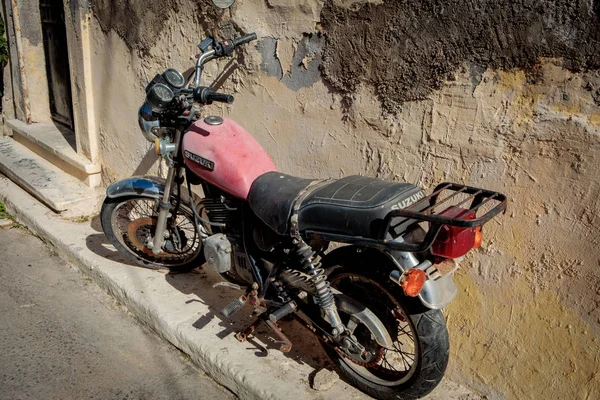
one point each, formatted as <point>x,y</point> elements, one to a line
<point>286,344</point>
<point>243,335</point>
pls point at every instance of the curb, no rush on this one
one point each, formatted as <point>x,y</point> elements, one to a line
<point>183,309</point>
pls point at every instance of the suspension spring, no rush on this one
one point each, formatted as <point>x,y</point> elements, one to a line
<point>324,295</point>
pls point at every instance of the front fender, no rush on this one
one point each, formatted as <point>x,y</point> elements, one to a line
<point>143,186</point>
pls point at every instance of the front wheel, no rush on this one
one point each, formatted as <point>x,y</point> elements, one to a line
<point>417,360</point>
<point>129,224</point>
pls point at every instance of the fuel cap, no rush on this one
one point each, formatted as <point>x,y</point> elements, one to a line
<point>213,120</point>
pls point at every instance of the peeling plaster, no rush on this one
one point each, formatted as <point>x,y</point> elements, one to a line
<point>406,49</point>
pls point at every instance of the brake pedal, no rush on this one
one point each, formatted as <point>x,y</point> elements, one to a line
<point>233,307</point>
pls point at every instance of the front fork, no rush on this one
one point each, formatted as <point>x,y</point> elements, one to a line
<point>164,204</point>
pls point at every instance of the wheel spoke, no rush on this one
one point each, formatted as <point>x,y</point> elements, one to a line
<point>403,330</point>
<point>396,363</point>
<point>184,243</point>
<point>138,210</point>
<point>385,360</point>
<point>404,355</point>
<point>404,359</point>
<point>404,362</point>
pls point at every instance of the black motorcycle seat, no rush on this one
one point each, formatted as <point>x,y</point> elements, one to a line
<point>354,205</point>
<point>272,197</point>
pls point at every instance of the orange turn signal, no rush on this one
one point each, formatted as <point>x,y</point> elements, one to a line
<point>412,282</point>
<point>478,237</point>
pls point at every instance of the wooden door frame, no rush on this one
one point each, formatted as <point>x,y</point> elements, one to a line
<point>31,97</point>
<point>78,21</point>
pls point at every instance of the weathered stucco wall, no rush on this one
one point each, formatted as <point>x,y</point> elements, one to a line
<point>504,94</point>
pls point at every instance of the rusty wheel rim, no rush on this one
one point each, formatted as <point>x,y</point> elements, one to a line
<point>134,231</point>
<point>395,365</point>
<point>134,221</point>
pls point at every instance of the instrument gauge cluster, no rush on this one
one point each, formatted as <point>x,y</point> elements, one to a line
<point>173,78</point>
<point>162,90</point>
<point>159,97</point>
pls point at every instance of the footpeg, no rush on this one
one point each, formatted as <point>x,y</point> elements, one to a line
<point>233,307</point>
<point>287,309</point>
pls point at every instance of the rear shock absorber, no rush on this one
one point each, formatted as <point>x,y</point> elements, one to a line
<point>325,298</point>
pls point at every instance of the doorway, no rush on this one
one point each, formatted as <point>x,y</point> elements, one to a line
<point>54,33</point>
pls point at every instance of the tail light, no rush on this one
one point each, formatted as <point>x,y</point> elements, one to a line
<point>453,241</point>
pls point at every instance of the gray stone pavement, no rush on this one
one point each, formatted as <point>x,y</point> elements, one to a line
<point>63,337</point>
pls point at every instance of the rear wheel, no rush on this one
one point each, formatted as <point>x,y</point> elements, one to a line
<point>129,224</point>
<point>417,360</point>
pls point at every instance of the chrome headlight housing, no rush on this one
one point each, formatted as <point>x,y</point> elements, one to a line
<point>160,93</point>
<point>149,124</point>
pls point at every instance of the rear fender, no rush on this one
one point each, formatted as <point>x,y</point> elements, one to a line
<point>434,295</point>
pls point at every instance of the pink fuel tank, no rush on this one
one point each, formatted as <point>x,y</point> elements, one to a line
<point>225,155</point>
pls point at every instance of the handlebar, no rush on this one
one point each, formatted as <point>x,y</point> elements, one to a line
<point>226,47</point>
<point>205,95</point>
<point>244,39</point>
<point>220,49</point>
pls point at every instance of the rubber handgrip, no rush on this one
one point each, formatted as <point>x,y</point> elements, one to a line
<point>206,95</point>
<point>220,97</point>
<point>244,39</point>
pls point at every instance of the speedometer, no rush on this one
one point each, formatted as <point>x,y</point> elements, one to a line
<point>173,78</point>
<point>159,97</point>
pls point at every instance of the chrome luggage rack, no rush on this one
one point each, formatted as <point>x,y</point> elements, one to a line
<point>486,203</point>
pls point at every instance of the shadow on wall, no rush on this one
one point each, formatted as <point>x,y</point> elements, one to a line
<point>139,23</point>
<point>407,49</point>
<point>3,58</point>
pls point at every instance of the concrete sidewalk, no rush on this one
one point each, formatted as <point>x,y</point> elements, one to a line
<point>183,309</point>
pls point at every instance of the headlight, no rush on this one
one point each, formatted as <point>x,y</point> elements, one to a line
<point>148,122</point>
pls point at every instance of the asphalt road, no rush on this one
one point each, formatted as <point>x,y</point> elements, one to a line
<point>62,337</point>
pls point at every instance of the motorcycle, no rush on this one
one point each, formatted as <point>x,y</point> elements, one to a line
<point>374,301</point>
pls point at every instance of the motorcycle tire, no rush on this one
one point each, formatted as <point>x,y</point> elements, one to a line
<point>364,277</point>
<point>128,224</point>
